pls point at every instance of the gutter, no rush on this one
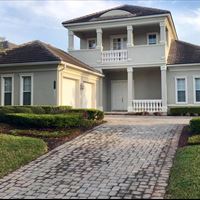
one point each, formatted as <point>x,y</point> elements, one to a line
<point>30,63</point>
<point>184,65</point>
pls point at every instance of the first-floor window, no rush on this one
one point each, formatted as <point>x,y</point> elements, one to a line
<point>197,89</point>
<point>7,91</point>
<point>26,90</point>
<point>181,90</point>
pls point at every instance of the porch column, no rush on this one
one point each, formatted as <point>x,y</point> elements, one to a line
<point>70,40</point>
<point>130,88</point>
<point>101,93</point>
<point>99,39</point>
<point>162,33</point>
<point>164,87</point>
<point>130,36</point>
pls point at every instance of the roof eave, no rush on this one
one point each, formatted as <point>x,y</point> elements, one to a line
<point>66,25</point>
<point>30,63</point>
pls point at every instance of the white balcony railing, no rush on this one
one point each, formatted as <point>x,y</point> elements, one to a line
<point>114,56</point>
<point>147,106</point>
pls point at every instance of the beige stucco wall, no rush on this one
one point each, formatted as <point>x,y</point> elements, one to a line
<point>139,33</point>
<point>43,78</point>
<point>147,84</point>
<point>188,72</point>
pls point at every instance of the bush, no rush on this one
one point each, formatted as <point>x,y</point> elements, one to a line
<point>195,125</point>
<point>90,114</point>
<point>47,120</point>
<point>21,109</point>
<point>185,111</point>
<point>56,109</point>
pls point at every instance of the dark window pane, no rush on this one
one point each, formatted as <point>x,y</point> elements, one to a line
<point>152,39</point>
<point>8,99</point>
<point>198,96</point>
<point>27,98</point>
<point>181,96</point>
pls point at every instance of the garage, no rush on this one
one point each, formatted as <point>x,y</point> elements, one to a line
<point>87,95</point>
<point>69,92</point>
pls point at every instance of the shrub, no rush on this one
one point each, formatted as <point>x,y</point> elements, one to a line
<point>7,109</point>
<point>195,125</point>
<point>185,111</point>
<point>37,109</point>
<point>56,109</point>
<point>90,114</point>
<point>22,109</point>
<point>47,120</point>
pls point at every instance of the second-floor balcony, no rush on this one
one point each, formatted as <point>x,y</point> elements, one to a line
<point>137,45</point>
<point>114,56</point>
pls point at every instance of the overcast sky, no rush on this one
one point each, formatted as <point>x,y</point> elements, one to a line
<point>23,21</point>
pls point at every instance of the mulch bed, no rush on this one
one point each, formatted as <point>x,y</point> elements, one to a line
<point>55,142</point>
<point>184,137</point>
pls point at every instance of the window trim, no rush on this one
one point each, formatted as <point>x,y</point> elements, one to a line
<point>151,33</point>
<point>194,89</point>
<point>186,90</point>
<point>21,87</point>
<point>115,37</point>
<point>3,91</point>
<point>88,39</point>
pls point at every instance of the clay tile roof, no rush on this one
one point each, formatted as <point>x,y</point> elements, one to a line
<point>38,51</point>
<point>183,53</point>
<point>135,11</point>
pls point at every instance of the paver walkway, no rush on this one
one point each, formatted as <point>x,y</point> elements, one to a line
<point>128,157</point>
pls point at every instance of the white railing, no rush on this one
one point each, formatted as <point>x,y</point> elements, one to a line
<point>114,56</point>
<point>147,105</point>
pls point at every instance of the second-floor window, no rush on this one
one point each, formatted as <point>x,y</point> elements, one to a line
<point>91,43</point>
<point>152,38</point>
<point>118,43</point>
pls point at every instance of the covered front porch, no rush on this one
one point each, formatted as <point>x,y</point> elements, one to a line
<point>135,90</point>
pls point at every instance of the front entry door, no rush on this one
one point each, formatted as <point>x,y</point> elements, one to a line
<point>119,95</point>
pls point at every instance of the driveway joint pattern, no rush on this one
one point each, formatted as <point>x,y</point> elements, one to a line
<point>113,161</point>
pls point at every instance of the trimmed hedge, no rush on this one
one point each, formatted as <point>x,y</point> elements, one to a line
<point>185,111</point>
<point>47,120</point>
<point>195,125</point>
<point>90,114</point>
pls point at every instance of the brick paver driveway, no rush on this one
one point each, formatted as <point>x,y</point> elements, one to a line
<point>129,157</point>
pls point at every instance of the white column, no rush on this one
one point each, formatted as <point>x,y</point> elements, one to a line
<point>99,39</point>
<point>164,86</point>
<point>130,88</point>
<point>162,33</point>
<point>130,36</point>
<point>101,93</point>
<point>70,40</point>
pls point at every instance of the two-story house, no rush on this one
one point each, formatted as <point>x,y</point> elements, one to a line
<point>130,59</point>
<point>146,67</point>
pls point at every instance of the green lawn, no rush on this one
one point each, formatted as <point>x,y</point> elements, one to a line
<point>17,151</point>
<point>185,175</point>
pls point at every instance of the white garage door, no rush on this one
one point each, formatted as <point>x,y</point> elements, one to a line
<point>87,95</point>
<point>69,92</point>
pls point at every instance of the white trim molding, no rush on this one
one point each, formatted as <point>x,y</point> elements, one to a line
<point>186,90</point>
<point>194,89</point>
<point>3,88</point>
<point>21,87</point>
